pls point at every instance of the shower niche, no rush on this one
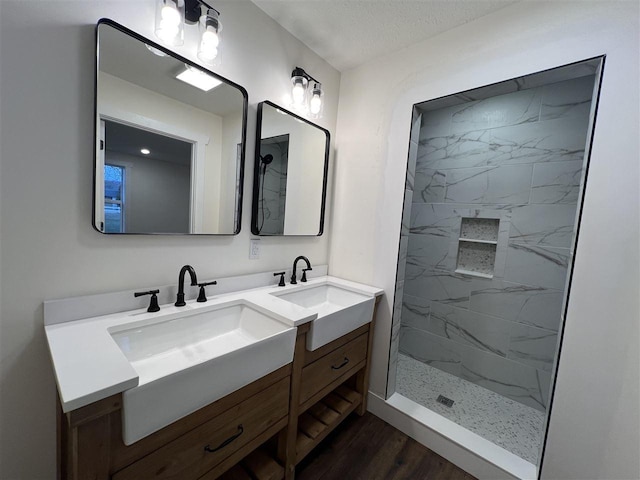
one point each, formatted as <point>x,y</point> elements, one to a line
<point>493,192</point>
<point>477,246</point>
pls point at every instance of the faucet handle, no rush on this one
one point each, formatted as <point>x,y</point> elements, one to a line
<point>153,304</point>
<point>281,283</point>
<point>201,296</point>
<point>304,274</point>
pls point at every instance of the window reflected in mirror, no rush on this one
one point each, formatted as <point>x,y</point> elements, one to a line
<point>113,198</point>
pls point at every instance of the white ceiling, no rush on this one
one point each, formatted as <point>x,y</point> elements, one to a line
<point>347,33</point>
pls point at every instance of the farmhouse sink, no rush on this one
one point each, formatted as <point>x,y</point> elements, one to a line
<point>191,359</point>
<point>340,310</point>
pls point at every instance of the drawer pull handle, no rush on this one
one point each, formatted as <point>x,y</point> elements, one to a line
<point>226,442</point>
<point>345,361</point>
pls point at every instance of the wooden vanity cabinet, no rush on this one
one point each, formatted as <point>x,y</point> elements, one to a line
<point>327,384</point>
<point>204,444</point>
<point>261,431</point>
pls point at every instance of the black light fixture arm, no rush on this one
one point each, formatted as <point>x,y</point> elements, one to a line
<point>192,10</point>
<point>299,72</point>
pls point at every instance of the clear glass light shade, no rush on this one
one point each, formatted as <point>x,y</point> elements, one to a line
<point>316,102</point>
<point>170,21</point>
<point>210,30</point>
<point>298,90</point>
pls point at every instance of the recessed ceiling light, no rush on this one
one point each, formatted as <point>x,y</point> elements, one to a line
<point>145,151</point>
<point>198,79</point>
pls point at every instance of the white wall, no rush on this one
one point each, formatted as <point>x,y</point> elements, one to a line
<point>304,180</point>
<point>594,427</point>
<point>231,137</point>
<point>49,248</point>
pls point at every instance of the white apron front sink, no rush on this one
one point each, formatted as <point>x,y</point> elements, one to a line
<point>188,361</point>
<point>340,310</point>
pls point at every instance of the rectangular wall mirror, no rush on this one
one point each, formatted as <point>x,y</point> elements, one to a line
<point>290,179</point>
<point>170,141</point>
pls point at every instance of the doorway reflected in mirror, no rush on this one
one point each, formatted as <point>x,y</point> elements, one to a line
<point>147,181</point>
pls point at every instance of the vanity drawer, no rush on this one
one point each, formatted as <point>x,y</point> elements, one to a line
<point>198,451</point>
<point>333,365</point>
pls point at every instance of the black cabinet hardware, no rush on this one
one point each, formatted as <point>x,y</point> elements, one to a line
<point>344,362</point>
<point>226,442</point>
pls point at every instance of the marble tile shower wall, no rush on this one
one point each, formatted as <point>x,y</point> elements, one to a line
<point>517,158</point>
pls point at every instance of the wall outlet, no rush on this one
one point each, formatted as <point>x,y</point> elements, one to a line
<point>254,249</point>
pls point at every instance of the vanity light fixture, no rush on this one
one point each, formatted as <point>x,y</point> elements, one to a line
<point>169,22</point>
<point>300,81</point>
<point>198,78</point>
<point>171,16</point>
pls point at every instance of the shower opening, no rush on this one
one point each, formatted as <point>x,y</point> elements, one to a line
<point>493,195</point>
<point>272,186</point>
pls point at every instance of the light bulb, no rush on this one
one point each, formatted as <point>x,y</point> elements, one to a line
<point>208,49</point>
<point>207,53</point>
<point>210,27</point>
<point>170,15</point>
<point>169,26</point>
<point>315,103</point>
<point>211,39</point>
<point>298,93</point>
<point>167,32</point>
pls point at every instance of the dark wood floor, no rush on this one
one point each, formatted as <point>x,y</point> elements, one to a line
<point>367,448</point>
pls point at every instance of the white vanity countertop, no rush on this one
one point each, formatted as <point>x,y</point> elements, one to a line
<point>89,365</point>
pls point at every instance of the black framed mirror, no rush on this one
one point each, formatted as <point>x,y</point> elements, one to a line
<point>290,176</point>
<point>170,141</point>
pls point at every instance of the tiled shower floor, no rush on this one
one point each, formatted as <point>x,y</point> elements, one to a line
<point>509,424</point>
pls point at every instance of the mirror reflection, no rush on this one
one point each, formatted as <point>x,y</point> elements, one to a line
<point>290,176</point>
<point>170,141</point>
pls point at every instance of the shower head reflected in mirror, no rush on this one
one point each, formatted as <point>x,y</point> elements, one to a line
<point>264,161</point>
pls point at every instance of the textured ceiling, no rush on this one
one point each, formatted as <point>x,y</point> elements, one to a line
<point>349,33</point>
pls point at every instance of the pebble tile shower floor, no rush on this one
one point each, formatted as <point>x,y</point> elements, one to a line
<point>509,424</point>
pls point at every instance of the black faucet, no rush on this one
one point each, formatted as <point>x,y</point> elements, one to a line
<point>304,275</point>
<point>194,281</point>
